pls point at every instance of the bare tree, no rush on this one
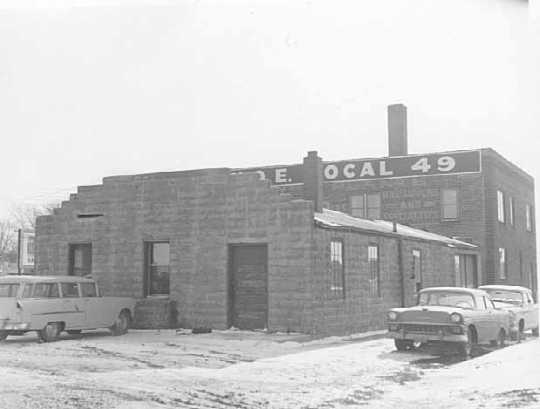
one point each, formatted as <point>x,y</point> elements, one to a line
<point>24,216</point>
<point>8,240</point>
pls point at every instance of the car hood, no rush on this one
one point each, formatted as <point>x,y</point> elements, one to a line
<point>425,313</point>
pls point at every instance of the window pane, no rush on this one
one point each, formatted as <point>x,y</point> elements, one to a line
<point>80,259</point>
<point>500,206</point>
<point>70,290</point>
<point>528,219</point>
<point>502,263</point>
<point>88,290</point>
<point>374,206</point>
<point>336,268</point>
<point>8,290</point>
<point>449,204</point>
<point>511,210</point>
<point>373,261</point>
<point>357,206</point>
<point>157,270</point>
<point>46,290</point>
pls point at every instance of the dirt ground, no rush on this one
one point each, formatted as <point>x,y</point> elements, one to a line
<point>242,369</point>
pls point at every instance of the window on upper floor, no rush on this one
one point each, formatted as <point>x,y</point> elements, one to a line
<point>449,202</point>
<point>528,218</point>
<point>366,205</point>
<point>500,206</point>
<point>511,210</point>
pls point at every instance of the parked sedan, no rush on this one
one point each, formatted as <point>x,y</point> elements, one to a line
<point>520,303</point>
<point>462,317</point>
<point>52,304</point>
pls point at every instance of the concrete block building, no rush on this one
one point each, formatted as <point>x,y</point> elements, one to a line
<point>317,247</point>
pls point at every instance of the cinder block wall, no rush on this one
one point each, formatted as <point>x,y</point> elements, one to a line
<point>199,213</point>
<point>360,311</point>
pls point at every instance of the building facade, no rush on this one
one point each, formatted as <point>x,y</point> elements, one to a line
<point>318,247</point>
<point>217,249</point>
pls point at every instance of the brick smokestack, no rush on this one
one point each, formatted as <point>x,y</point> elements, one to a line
<point>397,130</point>
<point>313,179</point>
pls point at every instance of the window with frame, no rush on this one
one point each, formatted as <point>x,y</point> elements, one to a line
<point>46,290</point>
<point>502,263</point>
<point>457,271</point>
<point>337,271</point>
<point>449,202</point>
<point>367,205</point>
<point>416,273</point>
<point>88,290</point>
<point>500,206</point>
<point>528,218</point>
<point>511,210</point>
<point>157,268</point>
<point>374,273</point>
<point>80,259</point>
<point>70,290</point>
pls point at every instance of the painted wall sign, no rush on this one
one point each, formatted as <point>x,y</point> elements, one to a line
<point>385,168</point>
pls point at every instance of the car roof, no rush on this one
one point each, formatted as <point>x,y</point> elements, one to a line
<point>472,291</point>
<point>41,279</point>
<point>505,288</point>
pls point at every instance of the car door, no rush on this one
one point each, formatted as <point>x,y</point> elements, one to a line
<point>72,307</point>
<point>497,319</point>
<point>483,321</point>
<point>531,311</point>
<point>92,305</point>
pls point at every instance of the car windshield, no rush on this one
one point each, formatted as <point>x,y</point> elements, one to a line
<point>512,297</point>
<point>8,289</point>
<point>446,299</point>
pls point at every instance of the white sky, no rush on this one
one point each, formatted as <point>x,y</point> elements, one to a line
<point>96,88</point>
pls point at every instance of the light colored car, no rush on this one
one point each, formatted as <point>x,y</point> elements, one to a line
<point>450,316</point>
<point>52,304</point>
<point>520,302</point>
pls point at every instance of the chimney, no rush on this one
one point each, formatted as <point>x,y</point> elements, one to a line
<point>313,181</point>
<point>397,130</point>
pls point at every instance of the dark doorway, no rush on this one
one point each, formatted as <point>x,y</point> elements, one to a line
<point>248,286</point>
<point>467,274</point>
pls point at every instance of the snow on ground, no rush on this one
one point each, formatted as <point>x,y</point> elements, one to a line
<point>240,369</point>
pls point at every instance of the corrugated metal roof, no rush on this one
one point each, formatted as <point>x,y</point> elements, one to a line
<point>335,219</point>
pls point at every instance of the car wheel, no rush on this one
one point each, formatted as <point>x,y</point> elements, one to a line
<point>535,331</point>
<point>465,348</point>
<point>50,332</point>
<point>73,331</point>
<point>3,335</point>
<point>121,324</point>
<point>402,344</point>
<point>501,339</point>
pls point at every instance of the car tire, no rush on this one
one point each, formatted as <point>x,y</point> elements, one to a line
<point>402,344</point>
<point>50,332</point>
<point>465,348</point>
<point>121,325</point>
<point>3,335</point>
<point>501,338</point>
<point>74,331</point>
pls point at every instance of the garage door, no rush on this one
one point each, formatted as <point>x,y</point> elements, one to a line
<point>248,286</point>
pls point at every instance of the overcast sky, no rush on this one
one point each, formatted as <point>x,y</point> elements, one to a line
<point>96,88</point>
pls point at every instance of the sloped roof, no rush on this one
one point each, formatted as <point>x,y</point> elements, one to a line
<point>334,219</point>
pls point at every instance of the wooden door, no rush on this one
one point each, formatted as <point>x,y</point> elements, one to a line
<point>248,290</point>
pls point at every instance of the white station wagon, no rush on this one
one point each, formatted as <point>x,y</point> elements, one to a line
<point>52,304</point>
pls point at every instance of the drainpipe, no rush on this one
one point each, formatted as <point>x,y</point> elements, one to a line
<point>400,265</point>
